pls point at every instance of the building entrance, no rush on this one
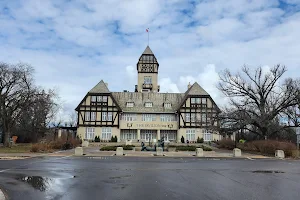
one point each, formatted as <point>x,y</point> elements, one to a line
<point>148,135</point>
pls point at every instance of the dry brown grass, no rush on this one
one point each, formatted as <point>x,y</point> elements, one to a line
<point>60,144</point>
<point>269,147</point>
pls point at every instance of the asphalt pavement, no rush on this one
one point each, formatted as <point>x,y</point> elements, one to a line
<point>112,177</point>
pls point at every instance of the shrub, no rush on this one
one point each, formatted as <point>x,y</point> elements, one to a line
<point>226,144</point>
<point>97,139</point>
<point>182,139</point>
<point>200,140</point>
<point>192,148</point>
<point>114,148</point>
<point>116,139</point>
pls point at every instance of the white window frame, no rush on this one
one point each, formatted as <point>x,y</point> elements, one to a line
<point>104,116</point>
<point>148,104</point>
<point>167,105</point>
<point>109,116</point>
<point>99,98</point>
<point>190,134</point>
<point>128,117</point>
<point>187,117</point>
<point>104,98</point>
<point>167,118</point>
<point>90,133</point>
<point>106,133</point>
<point>129,104</point>
<point>93,98</point>
<point>148,117</point>
<point>207,135</point>
<point>87,116</point>
<point>93,116</point>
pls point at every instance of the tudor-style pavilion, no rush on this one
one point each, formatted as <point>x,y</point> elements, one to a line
<point>147,114</point>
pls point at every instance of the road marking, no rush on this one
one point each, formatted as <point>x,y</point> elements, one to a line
<point>250,158</point>
<point>5,170</point>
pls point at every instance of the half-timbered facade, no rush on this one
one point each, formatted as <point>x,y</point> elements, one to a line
<point>147,114</point>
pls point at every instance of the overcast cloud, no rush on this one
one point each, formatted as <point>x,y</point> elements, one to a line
<point>75,44</point>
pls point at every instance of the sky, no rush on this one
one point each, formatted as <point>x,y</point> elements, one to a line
<point>73,44</point>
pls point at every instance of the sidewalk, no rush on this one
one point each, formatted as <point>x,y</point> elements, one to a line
<point>94,152</point>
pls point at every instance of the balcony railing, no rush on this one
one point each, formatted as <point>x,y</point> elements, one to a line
<point>147,85</point>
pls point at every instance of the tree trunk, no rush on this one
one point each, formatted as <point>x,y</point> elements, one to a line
<point>6,138</point>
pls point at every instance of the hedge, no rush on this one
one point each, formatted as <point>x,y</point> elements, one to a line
<point>114,148</point>
<point>190,148</point>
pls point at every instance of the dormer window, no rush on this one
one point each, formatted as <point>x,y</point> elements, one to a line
<point>167,105</point>
<point>148,104</point>
<point>129,104</point>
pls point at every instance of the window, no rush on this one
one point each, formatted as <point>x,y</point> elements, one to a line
<point>94,98</point>
<point>90,133</point>
<point>129,104</point>
<point>128,134</point>
<point>195,100</point>
<point>148,104</point>
<point>187,117</point>
<point>128,117</point>
<point>87,116</point>
<point>167,118</point>
<point>106,116</point>
<point>207,135</point>
<point>203,117</point>
<point>93,116</point>
<point>190,134</point>
<point>167,105</point>
<point>193,117</point>
<point>203,100</point>
<point>104,98</point>
<point>99,98</point>
<point>148,80</point>
<point>148,117</point>
<point>109,116</point>
<point>106,133</point>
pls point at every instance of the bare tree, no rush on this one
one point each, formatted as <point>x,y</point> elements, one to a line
<point>258,99</point>
<point>21,100</point>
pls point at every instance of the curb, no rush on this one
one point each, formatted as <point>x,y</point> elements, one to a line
<point>2,196</point>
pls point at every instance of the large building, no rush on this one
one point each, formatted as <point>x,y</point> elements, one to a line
<point>147,114</point>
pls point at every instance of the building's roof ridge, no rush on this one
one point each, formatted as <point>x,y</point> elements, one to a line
<point>148,51</point>
<point>101,87</point>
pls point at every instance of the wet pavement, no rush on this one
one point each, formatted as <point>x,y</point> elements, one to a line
<point>112,177</point>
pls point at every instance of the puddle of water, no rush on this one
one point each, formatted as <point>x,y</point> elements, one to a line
<point>43,184</point>
<point>268,171</point>
<point>37,182</point>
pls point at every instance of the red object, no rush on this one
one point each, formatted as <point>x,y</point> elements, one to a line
<point>147,29</point>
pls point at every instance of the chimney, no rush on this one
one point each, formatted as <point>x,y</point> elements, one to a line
<point>189,85</point>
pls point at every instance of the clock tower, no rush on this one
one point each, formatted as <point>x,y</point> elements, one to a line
<point>147,68</point>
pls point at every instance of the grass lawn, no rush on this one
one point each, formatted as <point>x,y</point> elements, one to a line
<point>18,148</point>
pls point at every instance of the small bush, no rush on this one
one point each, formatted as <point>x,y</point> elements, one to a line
<point>200,140</point>
<point>97,139</point>
<point>226,144</point>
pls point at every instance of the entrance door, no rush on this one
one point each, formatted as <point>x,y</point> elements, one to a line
<point>148,135</point>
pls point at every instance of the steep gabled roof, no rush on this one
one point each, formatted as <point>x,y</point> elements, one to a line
<point>100,88</point>
<point>196,89</point>
<point>148,51</point>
